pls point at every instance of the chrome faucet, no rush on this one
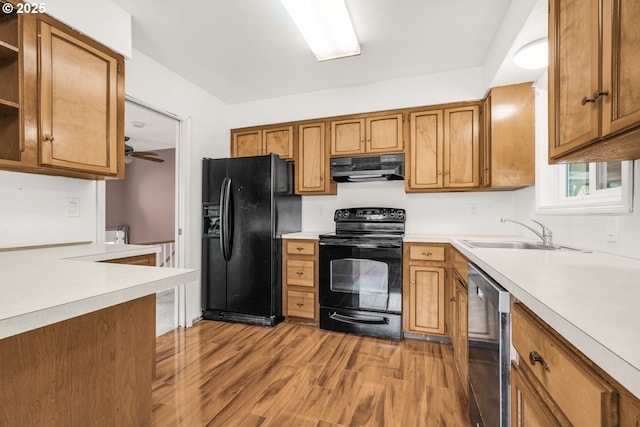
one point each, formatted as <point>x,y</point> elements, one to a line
<point>545,236</point>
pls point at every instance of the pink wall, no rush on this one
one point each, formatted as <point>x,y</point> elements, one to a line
<point>145,199</point>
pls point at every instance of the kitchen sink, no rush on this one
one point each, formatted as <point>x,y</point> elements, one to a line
<point>509,244</point>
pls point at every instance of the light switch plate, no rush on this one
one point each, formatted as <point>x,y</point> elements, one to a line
<point>73,207</point>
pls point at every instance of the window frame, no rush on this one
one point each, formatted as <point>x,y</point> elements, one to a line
<point>551,199</point>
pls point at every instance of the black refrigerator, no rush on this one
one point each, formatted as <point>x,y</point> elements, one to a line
<point>247,204</point>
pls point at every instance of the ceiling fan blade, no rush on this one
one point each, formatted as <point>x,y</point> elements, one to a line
<point>153,159</point>
<point>145,153</point>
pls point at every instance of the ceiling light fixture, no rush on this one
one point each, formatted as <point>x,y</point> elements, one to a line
<point>325,26</point>
<point>533,55</point>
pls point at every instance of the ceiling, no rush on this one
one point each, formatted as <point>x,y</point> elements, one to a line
<point>247,50</point>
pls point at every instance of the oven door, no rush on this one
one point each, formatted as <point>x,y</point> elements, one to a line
<point>361,277</point>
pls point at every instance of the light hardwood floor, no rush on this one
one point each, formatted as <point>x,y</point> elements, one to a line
<point>225,374</point>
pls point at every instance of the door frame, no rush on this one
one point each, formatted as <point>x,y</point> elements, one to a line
<point>183,135</point>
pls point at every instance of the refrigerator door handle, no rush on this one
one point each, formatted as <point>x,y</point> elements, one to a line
<point>225,218</point>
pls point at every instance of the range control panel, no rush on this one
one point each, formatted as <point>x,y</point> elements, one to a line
<point>369,215</point>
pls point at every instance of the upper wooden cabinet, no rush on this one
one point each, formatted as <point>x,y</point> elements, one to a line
<point>509,137</point>
<point>444,148</point>
<point>78,103</point>
<point>259,142</point>
<point>367,135</point>
<point>10,141</point>
<point>67,112</point>
<point>594,80</point>
<point>312,161</point>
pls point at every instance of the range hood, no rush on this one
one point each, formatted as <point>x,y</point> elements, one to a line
<point>385,167</point>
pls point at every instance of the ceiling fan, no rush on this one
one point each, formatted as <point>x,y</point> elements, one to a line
<point>130,154</point>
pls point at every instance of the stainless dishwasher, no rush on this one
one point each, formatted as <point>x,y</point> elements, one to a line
<point>489,350</point>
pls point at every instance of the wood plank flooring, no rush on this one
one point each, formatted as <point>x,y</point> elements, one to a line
<point>225,374</point>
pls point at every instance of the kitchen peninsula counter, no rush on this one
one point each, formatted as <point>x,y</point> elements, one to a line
<point>46,285</point>
<point>589,298</point>
<point>77,336</point>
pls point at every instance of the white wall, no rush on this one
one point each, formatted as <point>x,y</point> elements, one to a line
<point>101,20</point>
<point>207,136</point>
<point>33,210</point>
<point>462,85</point>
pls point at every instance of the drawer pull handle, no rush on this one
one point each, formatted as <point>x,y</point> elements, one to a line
<point>299,248</point>
<point>299,304</point>
<point>299,273</point>
<point>427,253</point>
<point>534,357</point>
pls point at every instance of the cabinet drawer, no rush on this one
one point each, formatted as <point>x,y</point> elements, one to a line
<point>583,396</point>
<point>300,304</point>
<point>300,272</point>
<point>426,253</point>
<point>298,247</point>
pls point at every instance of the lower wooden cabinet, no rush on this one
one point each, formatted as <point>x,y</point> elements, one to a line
<point>553,377</point>
<point>527,408</point>
<point>459,315</point>
<point>148,259</point>
<point>300,279</point>
<point>424,288</point>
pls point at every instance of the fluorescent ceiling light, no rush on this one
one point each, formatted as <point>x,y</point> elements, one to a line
<point>325,26</point>
<point>533,55</point>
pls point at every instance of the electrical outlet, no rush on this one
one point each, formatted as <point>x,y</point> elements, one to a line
<point>73,207</point>
<point>474,208</point>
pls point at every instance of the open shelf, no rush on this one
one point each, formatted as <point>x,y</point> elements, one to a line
<point>8,52</point>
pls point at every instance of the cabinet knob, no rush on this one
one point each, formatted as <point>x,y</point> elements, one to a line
<point>535,357</point>
<point>453,299</point>
<point>48,138</point>
<point>299,273</point>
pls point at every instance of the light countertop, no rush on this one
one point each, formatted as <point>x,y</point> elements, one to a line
<point>590,298</point>
<point>43,286</point>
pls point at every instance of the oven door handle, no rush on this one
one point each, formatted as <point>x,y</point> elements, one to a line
<point>357,320</point>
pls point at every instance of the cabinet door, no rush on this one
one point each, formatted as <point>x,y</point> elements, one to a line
<point>247,143</point>
<point>573,74</point>
<point>384,134</point>
<point>461,349</point>
<point>462,147</point>
<point>426,299</point>
<point>347,137</point>
<point>426,150</point>
<point>511,140</point>
<point>279,141</point>
<point>79,103</point>
<point>527,407</point>
<point>621,70</point>
<point>312,163</point>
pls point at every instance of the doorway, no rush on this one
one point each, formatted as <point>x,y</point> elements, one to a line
<point>142,208</point>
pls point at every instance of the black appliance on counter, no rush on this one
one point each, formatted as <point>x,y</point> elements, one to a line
<point>361,273</point>
<point>248,203</point>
